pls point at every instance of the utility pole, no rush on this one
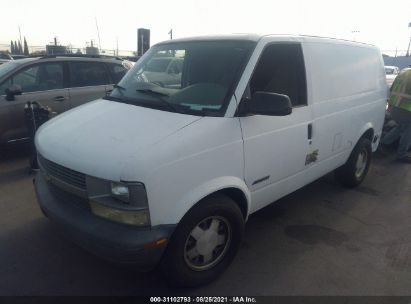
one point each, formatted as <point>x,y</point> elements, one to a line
<point>98,34</point>
<point>408,50</point>
<point>117,45</point>
<point>20,36</point>
<point>171,34</point>
<point>142,47</point>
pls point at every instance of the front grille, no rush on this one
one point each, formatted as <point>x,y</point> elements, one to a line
<point>64,174</point>
<point>68,198</point>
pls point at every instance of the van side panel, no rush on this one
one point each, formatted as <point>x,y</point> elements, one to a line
<point>343,69</point>
<point>348,93</point>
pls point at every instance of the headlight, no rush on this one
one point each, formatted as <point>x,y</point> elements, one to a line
<point>124,202</point>
<point>120,191</point>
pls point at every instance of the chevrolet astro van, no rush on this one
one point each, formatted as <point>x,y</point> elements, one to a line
<point>167,168</point>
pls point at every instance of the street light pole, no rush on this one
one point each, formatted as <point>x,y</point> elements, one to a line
<point>408,49</point>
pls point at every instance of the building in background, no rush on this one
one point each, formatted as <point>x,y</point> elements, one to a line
<point>56,49</point>
<point>399,61</point>
<point>143,41</point>
<point>92,50</point>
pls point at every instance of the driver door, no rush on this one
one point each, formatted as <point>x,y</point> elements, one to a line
<point>276,147</point>
<point>42,83</point>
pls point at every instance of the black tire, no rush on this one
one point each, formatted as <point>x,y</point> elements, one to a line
<point>175,263</point>
<point>348,174</point>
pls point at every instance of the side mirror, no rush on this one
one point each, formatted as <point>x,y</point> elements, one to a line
<point>12,91</point>
<point>266,103</point>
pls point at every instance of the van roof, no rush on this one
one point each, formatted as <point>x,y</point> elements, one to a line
<point>257,37</point>
<point>250,37</point>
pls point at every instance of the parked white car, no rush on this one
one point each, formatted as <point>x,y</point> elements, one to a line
<point>391,73</point>
<point>158,173</point>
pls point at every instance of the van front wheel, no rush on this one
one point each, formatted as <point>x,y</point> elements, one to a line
<point>353,172</point>
<point>204,243</point>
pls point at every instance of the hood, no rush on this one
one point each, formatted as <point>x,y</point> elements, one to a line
<point>99,137</point>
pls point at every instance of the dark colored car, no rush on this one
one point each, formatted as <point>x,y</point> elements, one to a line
<point>4,57</point>
<point>59,83</point>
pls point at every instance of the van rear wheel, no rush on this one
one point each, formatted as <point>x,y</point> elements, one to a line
<point>204,243</point>
<point>353,172</point>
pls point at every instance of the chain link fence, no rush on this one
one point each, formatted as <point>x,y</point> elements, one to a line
<point>40,50</point>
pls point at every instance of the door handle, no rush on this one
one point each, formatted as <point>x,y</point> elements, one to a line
<point>59,98</point>
<point>310,131</point>
<point>108,92</point>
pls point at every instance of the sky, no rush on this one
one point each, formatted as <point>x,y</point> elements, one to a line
<point>382,23</point>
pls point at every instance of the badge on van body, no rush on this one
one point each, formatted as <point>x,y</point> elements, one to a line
<point>311,157</point>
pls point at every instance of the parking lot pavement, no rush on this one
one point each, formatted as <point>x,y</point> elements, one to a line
<point>320,240</point>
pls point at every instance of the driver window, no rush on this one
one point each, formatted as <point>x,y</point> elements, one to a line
<point>176,66</point>
<point>280,69</point>
<point>4,86</point>
<point>27,79</point>
<point>42,77</point>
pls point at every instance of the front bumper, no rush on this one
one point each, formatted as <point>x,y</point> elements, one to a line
<point>115,242</point>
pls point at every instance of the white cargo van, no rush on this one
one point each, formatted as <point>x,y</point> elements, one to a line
<point>168,172</point>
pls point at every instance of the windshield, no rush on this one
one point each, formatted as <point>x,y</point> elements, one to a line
<point>195,77</point>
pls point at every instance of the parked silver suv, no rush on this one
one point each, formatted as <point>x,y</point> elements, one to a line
<point>60,83</point>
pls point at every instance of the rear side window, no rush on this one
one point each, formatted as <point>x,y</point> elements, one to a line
<point>52,74</point>
<point>280,69</point>
<point>83,74</point>
<point>117,71</point>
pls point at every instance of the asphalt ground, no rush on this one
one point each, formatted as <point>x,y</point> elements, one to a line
<point>321,240</point>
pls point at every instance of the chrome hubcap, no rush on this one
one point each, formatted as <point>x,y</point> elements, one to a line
<point>207,243</point>
<point>361,163</point>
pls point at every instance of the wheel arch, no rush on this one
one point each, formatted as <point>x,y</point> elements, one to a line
<point>234,188</point>
<point>367,131</point>
<point>369,134</point>
<point>237,196</point>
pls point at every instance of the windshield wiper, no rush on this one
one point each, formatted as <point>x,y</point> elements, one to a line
<point>113,98</point>
<point>169,105</point>
<point>119,88</point>
<point>116,86</point>
<point>152,92</point>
